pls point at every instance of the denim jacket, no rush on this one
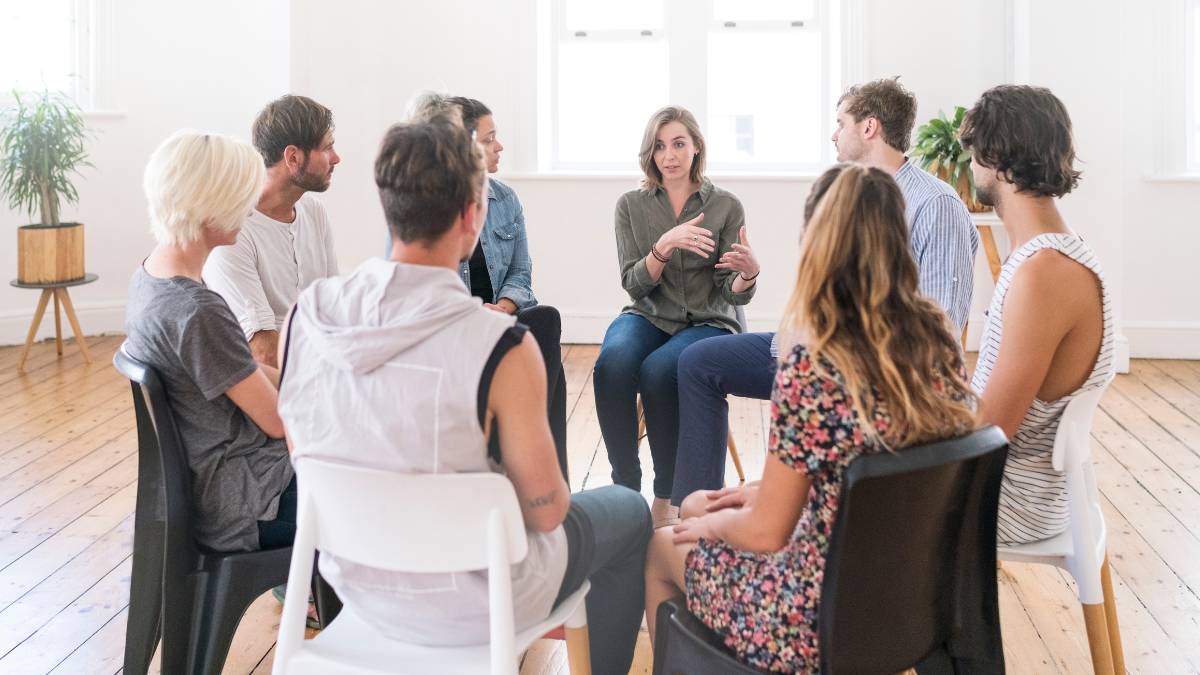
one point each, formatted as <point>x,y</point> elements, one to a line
<point>505,248</point>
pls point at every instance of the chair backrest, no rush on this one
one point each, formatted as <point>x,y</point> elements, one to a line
<point>740,312</point>
<point>914,534</point>
<point>1072,445</point>
<point>448,514</point>
<point>163,472</point>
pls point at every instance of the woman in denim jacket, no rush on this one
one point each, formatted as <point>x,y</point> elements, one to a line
<point>500,271</point>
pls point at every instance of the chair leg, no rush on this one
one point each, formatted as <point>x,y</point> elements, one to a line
<point>641,420</point>
<point>579,658</point>
<point>1097,634</point>
<point>224,604</point>
<point>1110,613</point>
<point>144,625</point>
<point>737,460</point>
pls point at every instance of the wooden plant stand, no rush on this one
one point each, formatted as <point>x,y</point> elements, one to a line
<point>58,291</point>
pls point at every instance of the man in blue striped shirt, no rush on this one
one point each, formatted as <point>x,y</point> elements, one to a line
<point>875,121</point>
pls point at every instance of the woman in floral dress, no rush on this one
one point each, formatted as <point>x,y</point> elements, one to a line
<point>867,365</point>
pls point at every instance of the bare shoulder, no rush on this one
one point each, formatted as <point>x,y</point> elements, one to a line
<point>1053,274</point>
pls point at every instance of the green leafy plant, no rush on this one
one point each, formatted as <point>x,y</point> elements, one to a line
<point>42,140</point>
<point>939,152</point>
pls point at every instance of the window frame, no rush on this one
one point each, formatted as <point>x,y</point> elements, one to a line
<point>91,46</point>
<point>1192,86</point>
<point>687,27</point>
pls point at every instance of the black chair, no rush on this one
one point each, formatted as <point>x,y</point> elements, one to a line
<point>193,599</point>
<point>910,578</point>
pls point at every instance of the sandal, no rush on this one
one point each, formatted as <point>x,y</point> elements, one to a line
<point>311,620</point>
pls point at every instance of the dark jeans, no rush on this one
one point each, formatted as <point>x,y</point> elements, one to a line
<point>546,326</point>
<point>281,531</point>
<point>710,370</point>
<point>607,531</point>
<point>637,357</point>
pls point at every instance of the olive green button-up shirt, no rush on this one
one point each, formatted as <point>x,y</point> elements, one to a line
<point>690,291</point>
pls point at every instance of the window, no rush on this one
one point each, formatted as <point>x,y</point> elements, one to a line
<point>1193,78</point>
<point>761,76</point>
<point>53,44</point>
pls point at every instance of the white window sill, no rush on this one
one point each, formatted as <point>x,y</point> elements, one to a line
<point>1180,177</point>
<point>105,114</point>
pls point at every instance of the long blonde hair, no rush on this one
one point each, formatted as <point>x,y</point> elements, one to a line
<point>856,304</point>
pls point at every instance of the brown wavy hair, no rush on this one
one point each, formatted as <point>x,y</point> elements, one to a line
<point>1024,134</point>
<point>887,101</point>
<point>661,118</point>
<point>857,305</point>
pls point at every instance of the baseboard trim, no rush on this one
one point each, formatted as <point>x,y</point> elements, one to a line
<point>1163,339</point>
<point>587,328</point>
<point>95,318</point>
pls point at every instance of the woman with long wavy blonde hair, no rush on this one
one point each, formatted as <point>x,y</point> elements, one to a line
<point>868,365</point>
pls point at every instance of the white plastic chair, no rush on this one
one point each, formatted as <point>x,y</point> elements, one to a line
<point>426,523</point>
<point>1082,548</point>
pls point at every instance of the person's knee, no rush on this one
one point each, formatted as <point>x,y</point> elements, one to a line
<point>659,371</point>
<point>544,322</point>
<point>614,365</point>
<point>693,505</point>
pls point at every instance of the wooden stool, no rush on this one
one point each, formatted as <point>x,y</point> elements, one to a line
<point>58,291</point>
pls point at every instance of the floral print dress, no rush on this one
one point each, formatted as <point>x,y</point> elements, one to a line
<point>764,605</point>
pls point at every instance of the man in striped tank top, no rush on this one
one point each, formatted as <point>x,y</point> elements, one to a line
<point>875,122</point>
<point>1049,332</point>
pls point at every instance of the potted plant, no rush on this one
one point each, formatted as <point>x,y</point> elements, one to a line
<point>41,144</point>
<point>939,152</point>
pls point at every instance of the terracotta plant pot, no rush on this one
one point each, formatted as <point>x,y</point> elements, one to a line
<point>49,254</point>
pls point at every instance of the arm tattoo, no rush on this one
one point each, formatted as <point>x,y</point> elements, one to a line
<point>545,500</point>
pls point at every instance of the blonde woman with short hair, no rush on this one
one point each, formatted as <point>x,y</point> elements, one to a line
<point>200,187</point>
<point>685,263</point>
<point>868,365</point>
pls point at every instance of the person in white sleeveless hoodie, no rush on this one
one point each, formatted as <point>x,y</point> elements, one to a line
<point>1049,332</point>
<point>397,366</point>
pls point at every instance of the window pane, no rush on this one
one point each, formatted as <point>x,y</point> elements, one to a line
<point>764,98</point>
<point>614,15</point>
<point>606,92</point>
<point>1195,122</point>
<point>763,10</point>
<point>37,45</point>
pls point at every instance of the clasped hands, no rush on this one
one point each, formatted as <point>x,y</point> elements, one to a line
<point>719,505</point>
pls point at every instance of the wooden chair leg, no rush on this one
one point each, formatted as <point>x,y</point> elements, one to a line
<point>641,413</point>
<point>579,658</point>
<point>57,326</point>
<point>737,460</point>
<point>1097,635</point>
<point>1110,613</point>
<point>66,301</point>
<point>37,321</point>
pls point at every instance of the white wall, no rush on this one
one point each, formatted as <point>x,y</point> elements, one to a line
<point>366,58</point>
<point>208,66</point>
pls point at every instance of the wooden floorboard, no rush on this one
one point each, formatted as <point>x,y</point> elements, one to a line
<point>68,482</point>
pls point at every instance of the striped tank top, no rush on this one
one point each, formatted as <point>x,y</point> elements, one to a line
<point>1033,496</point>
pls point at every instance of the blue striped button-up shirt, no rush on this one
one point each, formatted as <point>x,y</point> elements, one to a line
<point>943,239</point>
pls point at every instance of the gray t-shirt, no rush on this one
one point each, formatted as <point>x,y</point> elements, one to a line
<point>192,340</point>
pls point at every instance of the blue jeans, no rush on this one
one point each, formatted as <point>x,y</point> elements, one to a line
<point>607,532</point>
<point>710,370</point>
<point>637,357</point>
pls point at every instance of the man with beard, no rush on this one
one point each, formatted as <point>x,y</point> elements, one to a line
<point>874,124</point>
<point>286,242</point>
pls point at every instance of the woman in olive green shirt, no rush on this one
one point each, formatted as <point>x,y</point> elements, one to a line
<point>685,262</point>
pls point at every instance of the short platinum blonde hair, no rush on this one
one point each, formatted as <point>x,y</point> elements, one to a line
<point>194,179</point>
<point>427,106</point>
